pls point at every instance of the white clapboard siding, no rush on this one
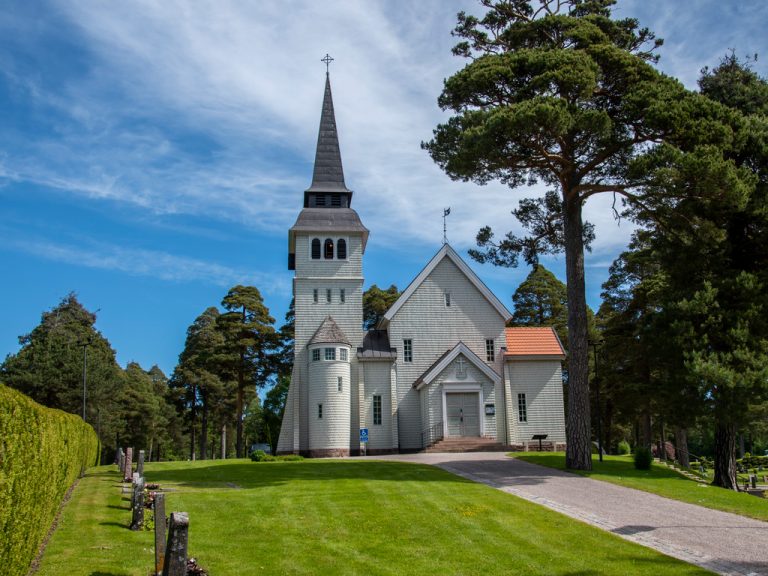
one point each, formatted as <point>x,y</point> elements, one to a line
<point>434,329</point>
<point>542,383</point>
<point>332,430</point>
<point>377,382</point>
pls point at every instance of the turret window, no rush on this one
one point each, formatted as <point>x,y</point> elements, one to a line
<point>320,411</point>
<point>340,383</point>
<point>328,249</point>
<point>315,249</point>
<point>316,355</point>
<point>330,353</point>
<point>343,354</point>
<point>341,249</point>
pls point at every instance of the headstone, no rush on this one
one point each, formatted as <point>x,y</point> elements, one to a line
<point>121,461</point>
<point>140,464</point>
<point>137,521</point>
<point>160,528</point>
<point>176,548</point>
<point>753,480</point>
<point>128,467</point>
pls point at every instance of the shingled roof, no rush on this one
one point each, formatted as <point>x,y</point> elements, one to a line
<point>525,341</point>
<point>376,346</point>
<point>330,333</point>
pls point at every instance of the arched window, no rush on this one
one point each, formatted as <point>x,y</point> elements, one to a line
<point>328,249</point>
<point>341,249</point>
<point>315,249</point>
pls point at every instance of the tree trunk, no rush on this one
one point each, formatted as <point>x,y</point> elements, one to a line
<point>663,444</point>
<point>224,442</point>
<point>608,420</point>
<point>240,400</point>
<point>192,430</point>
<point>725,456</point>
<point>741,446</point>
<point>578,435</point>
<point>204,431</point>
<point>681,439</point>
<point>646,435</point>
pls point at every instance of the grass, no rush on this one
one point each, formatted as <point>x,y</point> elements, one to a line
<point>338,517</point>
<point>659,480</point>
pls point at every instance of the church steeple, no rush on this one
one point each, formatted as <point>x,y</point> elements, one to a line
<point>328,189</point>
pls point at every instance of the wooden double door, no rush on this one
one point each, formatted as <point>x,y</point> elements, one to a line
<point>463,413</point>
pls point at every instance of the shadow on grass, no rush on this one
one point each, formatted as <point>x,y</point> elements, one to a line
<point>118,507</point>
<point>255,475</point>
<point>99,573</point>
<point>116,524</point>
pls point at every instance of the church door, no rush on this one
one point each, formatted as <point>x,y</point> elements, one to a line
<point>462,412</point>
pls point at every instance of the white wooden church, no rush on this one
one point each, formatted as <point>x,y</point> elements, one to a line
<point>440,369</point>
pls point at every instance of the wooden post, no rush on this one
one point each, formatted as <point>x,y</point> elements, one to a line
<point>160,528</point>
<point>138,503</point>
<point>140,465</point>
<point>176,549</point>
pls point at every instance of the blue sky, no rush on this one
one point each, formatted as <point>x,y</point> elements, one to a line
<point>153,154</point>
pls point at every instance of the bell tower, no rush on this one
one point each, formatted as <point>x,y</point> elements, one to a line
<point>325,251</point>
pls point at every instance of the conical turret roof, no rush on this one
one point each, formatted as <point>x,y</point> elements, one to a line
<point>329,333</point>
<point>328,175</point>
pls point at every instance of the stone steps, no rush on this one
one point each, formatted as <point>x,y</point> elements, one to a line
<point>467,444</point>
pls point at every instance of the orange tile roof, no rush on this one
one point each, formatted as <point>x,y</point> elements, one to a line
<point>530,341</point>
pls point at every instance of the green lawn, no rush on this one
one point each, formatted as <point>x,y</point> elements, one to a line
<point>338,517</point>
<point>659,480</point>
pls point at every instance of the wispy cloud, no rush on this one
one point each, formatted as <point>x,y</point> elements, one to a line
<point>150,263</point>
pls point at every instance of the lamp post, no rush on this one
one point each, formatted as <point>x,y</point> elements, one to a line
<point>595,344</point>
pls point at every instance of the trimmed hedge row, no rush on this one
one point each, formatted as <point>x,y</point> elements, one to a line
<point>42,452</point>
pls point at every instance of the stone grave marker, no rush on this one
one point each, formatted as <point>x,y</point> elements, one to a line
<point>140,464</point>
<point>128,469</point>
<point>160,528</point>
<point>121,460</point>
<point>137,520</point>
<point>176,549</point>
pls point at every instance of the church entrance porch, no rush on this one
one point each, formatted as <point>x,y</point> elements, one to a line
<point>462,414</point>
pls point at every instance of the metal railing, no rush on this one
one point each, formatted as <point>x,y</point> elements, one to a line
<point>432,434</point>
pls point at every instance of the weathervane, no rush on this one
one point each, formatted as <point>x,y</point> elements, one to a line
<point>446,213</point>
<point>327,59</point>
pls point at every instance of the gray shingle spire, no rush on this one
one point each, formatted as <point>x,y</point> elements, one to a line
<point>328,175</point>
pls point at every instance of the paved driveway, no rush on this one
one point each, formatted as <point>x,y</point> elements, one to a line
<point>722,542</point>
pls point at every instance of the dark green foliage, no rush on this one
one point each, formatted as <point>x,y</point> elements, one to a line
<point>42,453</point>
<point>258,456</point>
<point>261,456</point>
<point>376,302</point>
<point>643,458</point>
<point>623,448</point>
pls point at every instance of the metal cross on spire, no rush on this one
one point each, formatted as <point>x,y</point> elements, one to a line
<point>446,213</point>
<point>327,59</point>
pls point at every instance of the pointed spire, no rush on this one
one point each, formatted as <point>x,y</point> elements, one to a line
<point>328,175</point>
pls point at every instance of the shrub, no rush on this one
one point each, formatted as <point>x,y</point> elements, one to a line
<point>261,456</point>
<point>42,453</point>
<point>624,448</point>
<point>643,458</point>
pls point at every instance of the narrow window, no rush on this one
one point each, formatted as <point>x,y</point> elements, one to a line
<point>314,295</point>
<point>447,299</point>
<point>407,350</point>
<point>320,411</point>
<point>335,200</point>
<point>343,354</point>
<point>328,295</point>
<point>490,350</point>
<point>328,249</point>
<point>341,249</point>
<point>377,410</point>
<point>315,248</point>
<point>342,295</point>
<point>522,410</point>
<point>316,355</point>
<point>339,382</point>
<point>330,353</point>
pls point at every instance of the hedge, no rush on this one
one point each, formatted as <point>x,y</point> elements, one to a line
<point>42,453</point>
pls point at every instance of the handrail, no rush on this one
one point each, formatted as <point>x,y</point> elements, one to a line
<point>432,434</point>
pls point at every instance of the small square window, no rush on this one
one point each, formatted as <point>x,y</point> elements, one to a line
<point>343,354</point>
<point>522,409</point>
<point>490,350</point>
<point>330,353</point>
<point>377,410</point>
<point>314,295</point>
<point>319,410</point>
<point>448,299</point>
<point>340,382</point>
<point>342,295</point>
<point>328,295</point>
<point>316,355</point>
<point>407,350</point>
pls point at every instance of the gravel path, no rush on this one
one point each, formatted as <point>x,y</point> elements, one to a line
<point>718,541</point>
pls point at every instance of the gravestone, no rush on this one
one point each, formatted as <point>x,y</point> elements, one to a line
<point>128,469</point>
<point>753,481</point>
<point>121,460</point>
<point>137,521</point>
<point>176,548</point>
<point>160,528</point>
<point>140,464</point>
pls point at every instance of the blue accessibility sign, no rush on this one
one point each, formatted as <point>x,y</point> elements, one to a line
<point>363,434</point>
